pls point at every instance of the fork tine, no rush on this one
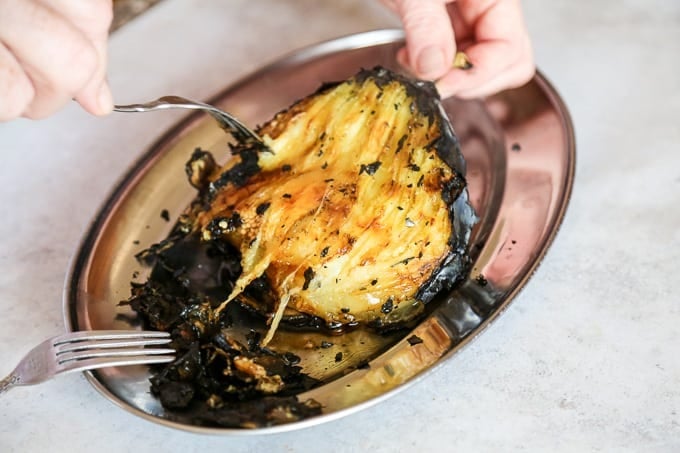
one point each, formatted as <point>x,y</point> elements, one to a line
<point>101,362</point>
<point>107,335</point>
<point>81,345</point>
<point>112,353</point>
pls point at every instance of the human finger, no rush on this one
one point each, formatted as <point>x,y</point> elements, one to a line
<point>96,96</point>
<point>495,66</point>
<point>57,57</point>
<point>499,50</point>
<point>513,77</point>
<point>430,39</point>
<point>16,89</point>
<point>93,18</point>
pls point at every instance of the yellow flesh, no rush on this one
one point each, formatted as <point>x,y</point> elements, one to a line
<point>385,233</point>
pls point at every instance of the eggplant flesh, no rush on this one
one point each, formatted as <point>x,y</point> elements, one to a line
<point>356,213</point>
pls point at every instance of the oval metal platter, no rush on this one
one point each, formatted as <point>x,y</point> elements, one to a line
<point>520,153</point>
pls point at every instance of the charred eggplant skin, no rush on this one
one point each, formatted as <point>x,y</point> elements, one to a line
<point>461,213</point>
<point>228,209</point>
<point>456,265</point>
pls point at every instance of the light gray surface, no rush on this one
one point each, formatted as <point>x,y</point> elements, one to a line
<point>586,359</point>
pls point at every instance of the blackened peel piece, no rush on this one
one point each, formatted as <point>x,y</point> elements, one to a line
<point>366,204</point>
<point>199,168</point>
<point>216,379</point>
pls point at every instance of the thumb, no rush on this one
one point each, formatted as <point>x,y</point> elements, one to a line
<point>430,39</point>
<point>96,96</point>
<point>93,18</point>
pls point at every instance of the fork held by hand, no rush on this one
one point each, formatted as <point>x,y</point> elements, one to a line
<point>88,350</point>
<point>226,120</point>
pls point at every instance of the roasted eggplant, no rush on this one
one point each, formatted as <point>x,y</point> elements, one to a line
<point>355,211</point>
<point>352,211</point>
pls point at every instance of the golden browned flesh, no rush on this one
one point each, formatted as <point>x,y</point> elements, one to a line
<point>349,214</point>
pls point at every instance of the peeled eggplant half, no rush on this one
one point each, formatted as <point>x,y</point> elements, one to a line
<point>355,212</point>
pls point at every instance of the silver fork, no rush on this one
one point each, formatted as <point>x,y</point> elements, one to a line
<point>226,120</point>
<point>88,350</point>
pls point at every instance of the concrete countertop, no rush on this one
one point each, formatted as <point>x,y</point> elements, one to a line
<point>586,358</point>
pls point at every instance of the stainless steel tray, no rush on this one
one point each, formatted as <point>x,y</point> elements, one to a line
<point>520,153</point>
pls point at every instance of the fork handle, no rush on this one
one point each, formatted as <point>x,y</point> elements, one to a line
<point>9,382</point>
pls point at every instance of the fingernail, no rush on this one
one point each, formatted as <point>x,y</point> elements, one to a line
<point>431,62</point>
<point>104,98</point>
